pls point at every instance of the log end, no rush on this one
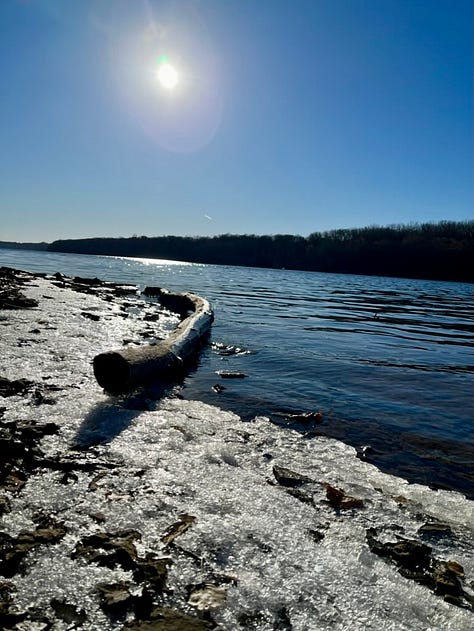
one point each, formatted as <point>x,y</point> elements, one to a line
<point>112,372</point>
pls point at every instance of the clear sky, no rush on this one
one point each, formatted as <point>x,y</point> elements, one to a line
<point>273,116</point>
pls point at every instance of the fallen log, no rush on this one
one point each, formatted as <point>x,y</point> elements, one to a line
<point>123,370</point>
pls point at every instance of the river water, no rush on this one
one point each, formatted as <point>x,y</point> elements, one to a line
<point>387,361</point>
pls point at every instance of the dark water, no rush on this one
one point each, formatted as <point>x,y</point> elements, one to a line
<point>388,361</point>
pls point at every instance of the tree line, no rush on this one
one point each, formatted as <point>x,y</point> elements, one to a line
<point>15,245</point>
<point>438,251</point>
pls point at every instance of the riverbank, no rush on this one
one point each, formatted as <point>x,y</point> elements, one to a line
<point>131,511</point>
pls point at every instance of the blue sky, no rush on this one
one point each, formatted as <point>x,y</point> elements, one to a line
<point>288,116</point>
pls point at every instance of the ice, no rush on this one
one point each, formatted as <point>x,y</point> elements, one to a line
<point>251,540</point>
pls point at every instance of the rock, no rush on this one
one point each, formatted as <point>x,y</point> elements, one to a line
<point>90,316</point>
<point>20,451</point>
<point>109,549</point>
<point>94,282</point>
<point>304,418</point>
<point>282,620</point>
<point>124,290</point>
<point>447,578</point>
<point>258,544</point>
<point>10,294</point>
<point>112,549</point>
<point>33,431</point>
<point>4,505</point>
<point>22,386</point>
<point>14,549</point>
<point>178,528</point>
<point>117,599</point>
<point>68,613</point>
<point>98,517</point>
<point>14,481</point>
<point>435,530</point>
<point>68,478</point>
<point>14,299</point>
<point>364,452</point>
<point>227,374</point>
<point>40,398</point>
<point>286,477</point>
<point>205,596</point>
<point>457,568</point>
<point>414,560</point>
<point>302,496</point>
<point>148,335</point>
<point>165,619</point>
<point>6,600</point>
<point>339,500</point>
<point>34,620</point>
<point>68,463</point>
<point>412,557</point>
<point>316,535</point>
<point>252,620</point>
<point>17,386</point>
<point>153,570</point>
<point>93,486</point>
<point>152,292</point>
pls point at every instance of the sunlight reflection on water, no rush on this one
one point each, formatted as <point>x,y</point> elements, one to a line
<point>157,262</point>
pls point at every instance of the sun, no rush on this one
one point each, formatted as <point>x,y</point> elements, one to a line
<point>167,75</point>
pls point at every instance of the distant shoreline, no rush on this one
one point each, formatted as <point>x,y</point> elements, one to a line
<point>442,251</point>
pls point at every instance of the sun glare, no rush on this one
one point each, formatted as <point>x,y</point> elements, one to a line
<point>167,75</point>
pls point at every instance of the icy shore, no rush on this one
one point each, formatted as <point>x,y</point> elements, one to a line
<point>126,512</point>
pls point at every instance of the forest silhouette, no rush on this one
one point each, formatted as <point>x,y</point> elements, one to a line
<point>438,251</point>
<point>442,251</point>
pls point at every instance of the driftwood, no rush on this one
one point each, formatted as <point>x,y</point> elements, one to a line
<point>123,370</point>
